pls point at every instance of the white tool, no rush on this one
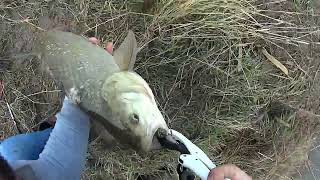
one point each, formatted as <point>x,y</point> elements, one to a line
<point>192,161</point>
<point>195,161</point>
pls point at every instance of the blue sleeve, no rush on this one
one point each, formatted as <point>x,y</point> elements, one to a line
<point>24,146</point>
<point>64,155</point>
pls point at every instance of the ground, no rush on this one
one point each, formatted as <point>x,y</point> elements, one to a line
<point>203,59</point>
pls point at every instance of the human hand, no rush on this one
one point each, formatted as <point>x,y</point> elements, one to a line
<point>108,47</point>
<point>228,171</point>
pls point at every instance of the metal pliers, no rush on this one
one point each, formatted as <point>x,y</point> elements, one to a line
<point>192,161</point>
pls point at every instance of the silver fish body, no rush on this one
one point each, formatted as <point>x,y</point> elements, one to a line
<point>121,101</point>
<point>77,64</point>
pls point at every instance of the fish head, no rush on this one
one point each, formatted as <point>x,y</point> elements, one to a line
<point>133,106</point>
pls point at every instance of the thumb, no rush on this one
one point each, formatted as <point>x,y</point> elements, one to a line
<point>228,171</point>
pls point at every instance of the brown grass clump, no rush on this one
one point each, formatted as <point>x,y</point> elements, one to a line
<point>202,59</point>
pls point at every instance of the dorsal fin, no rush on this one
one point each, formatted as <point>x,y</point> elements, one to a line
<point>125,55</point>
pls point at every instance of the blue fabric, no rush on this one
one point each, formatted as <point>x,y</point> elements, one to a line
<point>64,154</point>
<point>24,146</point>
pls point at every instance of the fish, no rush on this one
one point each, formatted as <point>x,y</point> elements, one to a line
<point>105,86</point>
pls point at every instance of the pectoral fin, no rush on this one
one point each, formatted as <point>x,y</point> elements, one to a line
<point>125,55</point>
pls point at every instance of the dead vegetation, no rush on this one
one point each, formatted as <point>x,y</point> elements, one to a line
<point>205,63</point>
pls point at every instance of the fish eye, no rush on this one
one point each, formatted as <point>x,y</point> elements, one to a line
<point>134,118</point>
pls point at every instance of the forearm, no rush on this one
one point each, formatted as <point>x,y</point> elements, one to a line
<point>64,155</point>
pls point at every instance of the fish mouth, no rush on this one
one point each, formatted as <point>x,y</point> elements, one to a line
<point>162,138</point>
<point>155,143</point>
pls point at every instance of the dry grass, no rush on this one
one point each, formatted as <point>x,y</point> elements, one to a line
<point>202,59</point>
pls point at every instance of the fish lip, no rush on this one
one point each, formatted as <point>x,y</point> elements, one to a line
<point>156,136</point>
<point>155,143</point>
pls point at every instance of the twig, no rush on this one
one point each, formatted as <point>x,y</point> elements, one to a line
<point>12,117</point>
<point>2,95</point>
<point>27,97</point>
<point>26,20</point>
<point>1,89</point>
<point>97,25</point>
<point>41,92</point>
